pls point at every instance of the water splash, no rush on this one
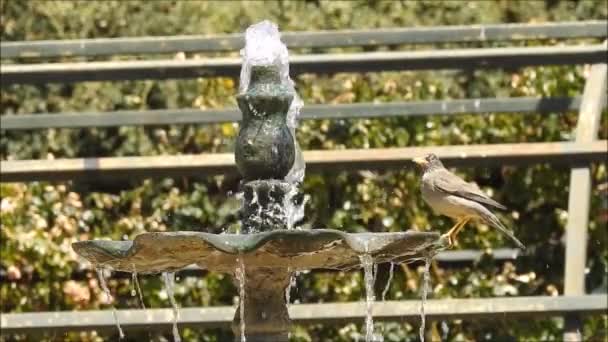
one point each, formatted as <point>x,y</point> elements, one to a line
<point>388,282</point>
<point>263,46</point>
<point>425,288</point>
<point>169,280</point>
<point>368,270</point>
<point>110,299</point>
<point>137,289</point>
<point>240,277</point>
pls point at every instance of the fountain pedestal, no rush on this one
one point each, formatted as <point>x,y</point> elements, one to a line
<point>266,316</point>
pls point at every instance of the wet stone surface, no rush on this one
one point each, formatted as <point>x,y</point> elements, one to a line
<point>297,249</point>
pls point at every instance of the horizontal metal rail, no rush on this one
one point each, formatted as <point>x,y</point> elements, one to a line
<point>316,161</point>
<point>341,111</point>
<point>471,255</point>
<point>322,63</point>
<point>319,39</point>
<point>327,313</point>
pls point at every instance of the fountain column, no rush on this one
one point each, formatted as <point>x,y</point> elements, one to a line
<point>264,154</point>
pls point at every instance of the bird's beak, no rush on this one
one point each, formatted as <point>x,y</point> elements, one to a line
<point>420,161</point>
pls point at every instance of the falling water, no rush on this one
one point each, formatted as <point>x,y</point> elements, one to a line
<point>375,272</point>
<point>368,268</point>
<point>294,212</point>
<point>388,282</point>
<point>292,284</point>
<point>425,288</point>
<point>445,330</point>
<point>169,280</point>
<point>137,288</point>
<point>386,288</point>
<point>240,277</point>
<point>110,299</point>
<point>258,211</point>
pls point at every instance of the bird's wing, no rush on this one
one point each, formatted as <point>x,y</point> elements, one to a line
<point>450,183</point>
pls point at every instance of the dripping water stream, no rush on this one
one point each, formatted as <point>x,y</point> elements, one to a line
<point>368,270</point>
<point>240,276</point>
<point>388,282</point>
<point>292,284</point>
<point>110,299</point>
<point>136,288</point>
<point>169,280</point>
<point>425,289</point>
<point>387,287</point>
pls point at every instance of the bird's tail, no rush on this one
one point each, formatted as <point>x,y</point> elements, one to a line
<point>493,221</point>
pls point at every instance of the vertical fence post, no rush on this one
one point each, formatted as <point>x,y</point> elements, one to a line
<point>579,199</point>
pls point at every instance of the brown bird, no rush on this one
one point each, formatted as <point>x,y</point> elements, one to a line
<point>451,196</point>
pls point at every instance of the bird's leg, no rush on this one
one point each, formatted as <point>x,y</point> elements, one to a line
<point>463,222</point>
<point>450,234</point>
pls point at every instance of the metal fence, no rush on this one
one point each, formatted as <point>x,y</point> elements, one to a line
<point>577,154</point>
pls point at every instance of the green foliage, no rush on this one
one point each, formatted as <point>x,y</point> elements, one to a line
<point>41,220</point>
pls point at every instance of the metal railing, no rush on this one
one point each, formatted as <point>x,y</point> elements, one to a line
<point>578,154</point>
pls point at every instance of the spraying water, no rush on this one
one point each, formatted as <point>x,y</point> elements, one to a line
<point>425,288</point>
<point>110,299</point>
<point>169,280</point>
<point>240,277</point>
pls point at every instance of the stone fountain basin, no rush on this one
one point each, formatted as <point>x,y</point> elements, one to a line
<point>294,249</point>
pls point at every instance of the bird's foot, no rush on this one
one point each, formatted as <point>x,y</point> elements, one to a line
<point>449,238</point>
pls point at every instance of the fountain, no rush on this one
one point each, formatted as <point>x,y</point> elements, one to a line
<point>267,252</point>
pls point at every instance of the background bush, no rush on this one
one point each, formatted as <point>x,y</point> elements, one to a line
<point>40,220</point>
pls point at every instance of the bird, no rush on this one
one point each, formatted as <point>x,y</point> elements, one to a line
<point>449,195</point>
